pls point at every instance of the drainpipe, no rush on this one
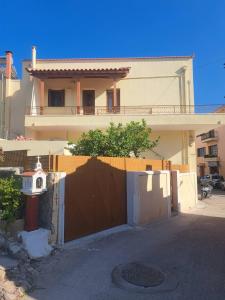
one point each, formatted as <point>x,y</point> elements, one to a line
<point>184,87</point>
<point>34,54</point>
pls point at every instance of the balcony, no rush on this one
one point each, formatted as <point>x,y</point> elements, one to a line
<point>158,117</point>
<point>103,110</point>
<point>127,110</point>
<point>209,136</point>
<point>211,157</point>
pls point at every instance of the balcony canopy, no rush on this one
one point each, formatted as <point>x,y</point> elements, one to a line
<point>115,73</point>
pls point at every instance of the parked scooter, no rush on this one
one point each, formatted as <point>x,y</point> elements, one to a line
<point>206,191</point>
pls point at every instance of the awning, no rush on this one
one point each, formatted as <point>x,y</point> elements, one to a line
<point>115,73</point>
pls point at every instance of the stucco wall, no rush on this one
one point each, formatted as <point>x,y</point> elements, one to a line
<point>148,197</point>
<point>188,194</point>
<point>221,149</point>
<point>34,147</point>
<point>18,96</point>
<point>177,146</point>
<point>150,81</point>
<point>184,191</point>
<point>173,145</point>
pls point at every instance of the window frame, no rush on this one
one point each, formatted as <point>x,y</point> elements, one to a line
<point>50,98</point>
<point>212,151</point>
<point>199,154</point>
<point>111,108</point>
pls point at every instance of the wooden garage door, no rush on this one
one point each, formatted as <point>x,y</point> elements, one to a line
<point>95,198</point>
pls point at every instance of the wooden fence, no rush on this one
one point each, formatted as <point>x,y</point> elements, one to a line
<point>69,164</point>
<point>19,158</point>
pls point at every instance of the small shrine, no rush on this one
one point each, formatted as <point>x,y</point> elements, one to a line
<point>34,182</point>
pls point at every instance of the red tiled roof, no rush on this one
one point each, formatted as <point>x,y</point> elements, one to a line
<point>220,109</point>
<point>28,174</point>
<point>63,73</point>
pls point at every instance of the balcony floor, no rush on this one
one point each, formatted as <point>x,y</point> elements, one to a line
<point>196,122</point>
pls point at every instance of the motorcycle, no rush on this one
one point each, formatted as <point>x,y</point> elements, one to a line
<point>206,191</point>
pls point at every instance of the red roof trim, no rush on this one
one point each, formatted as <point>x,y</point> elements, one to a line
<point>63,73</point>
<point>80,70</point>
<point>28,174</point>
<point>31,173</point>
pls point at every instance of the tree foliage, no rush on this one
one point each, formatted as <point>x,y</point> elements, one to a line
<point>10,198</point>
<point>116,141</point>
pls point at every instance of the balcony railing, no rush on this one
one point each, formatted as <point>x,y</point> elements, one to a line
<point>209,135</point>
<point>210,155</point>
<point>122,110</point>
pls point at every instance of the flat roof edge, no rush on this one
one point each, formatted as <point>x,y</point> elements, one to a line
<point>114,58</point>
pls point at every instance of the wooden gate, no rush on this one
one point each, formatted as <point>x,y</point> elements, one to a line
<point>95,196</point>
<point>95,191</point>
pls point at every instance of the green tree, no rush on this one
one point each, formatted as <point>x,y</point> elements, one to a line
<point>116,141</point>
<point>10,198</point>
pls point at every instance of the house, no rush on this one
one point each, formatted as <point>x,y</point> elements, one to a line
<point>59,99</point>
<point>7,74</point>
<point>210,147</point>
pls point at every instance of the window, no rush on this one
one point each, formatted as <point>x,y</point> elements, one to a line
<point>201,152</point>
<point>56,98</point>
<point>213,150</point>
<point>110,107</point>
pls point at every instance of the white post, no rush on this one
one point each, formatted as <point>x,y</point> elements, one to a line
<point>34,53</point>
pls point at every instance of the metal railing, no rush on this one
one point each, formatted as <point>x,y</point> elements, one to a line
<point>210,155</point>
<point>209,135</point>
<point>124,110</point>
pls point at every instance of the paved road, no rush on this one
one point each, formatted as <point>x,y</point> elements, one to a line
<point>191,247</point>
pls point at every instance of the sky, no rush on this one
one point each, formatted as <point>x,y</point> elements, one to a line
<point>125,28</point>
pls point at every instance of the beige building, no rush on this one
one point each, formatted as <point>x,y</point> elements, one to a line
<point>58,99</point>
<point>7,71</point>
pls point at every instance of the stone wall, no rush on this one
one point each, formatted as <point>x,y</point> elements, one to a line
<point>51,210</point>
<point>46,204</point>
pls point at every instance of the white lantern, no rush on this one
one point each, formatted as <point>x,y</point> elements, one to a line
<point>34,182</point>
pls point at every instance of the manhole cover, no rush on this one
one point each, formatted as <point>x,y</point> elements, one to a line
<point>142,275</point>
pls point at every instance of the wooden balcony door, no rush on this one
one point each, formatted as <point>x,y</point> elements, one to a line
<point>89,102</point>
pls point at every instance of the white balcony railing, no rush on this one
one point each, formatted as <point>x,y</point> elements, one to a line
<point>123,110</point>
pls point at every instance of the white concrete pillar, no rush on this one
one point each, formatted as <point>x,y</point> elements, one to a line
<point>34,54</point>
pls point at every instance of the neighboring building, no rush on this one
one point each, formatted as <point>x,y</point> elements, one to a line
<point>210,147</point>
<point>58,99</point>
<point>7,73</point>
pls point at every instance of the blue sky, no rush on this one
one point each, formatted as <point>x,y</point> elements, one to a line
<point>122,28</point>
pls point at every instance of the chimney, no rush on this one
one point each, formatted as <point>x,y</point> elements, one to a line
<point>9,62</point>
<point>34,57</point>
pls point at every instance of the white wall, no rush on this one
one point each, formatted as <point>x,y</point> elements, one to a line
<point>148,197</point>
<point>151,193</point>
<point>185,190</point>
